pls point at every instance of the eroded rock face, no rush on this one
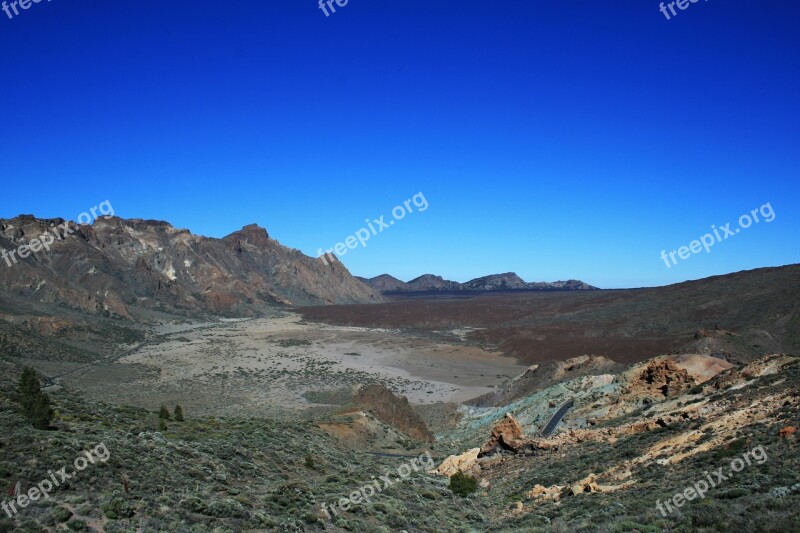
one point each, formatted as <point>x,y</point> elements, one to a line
<point>666,377</point>
<point>392,410</point>
<point>506,435</point>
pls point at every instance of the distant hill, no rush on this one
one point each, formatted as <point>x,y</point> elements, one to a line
<point>494,282</point>
<point>385,283</point>
<point>430,282</point>
<point>497,282</point>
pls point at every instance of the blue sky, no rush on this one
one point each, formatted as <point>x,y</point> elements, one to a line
<point>557,140</point>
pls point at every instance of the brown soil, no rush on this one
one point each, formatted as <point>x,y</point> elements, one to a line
<point>758,310</point>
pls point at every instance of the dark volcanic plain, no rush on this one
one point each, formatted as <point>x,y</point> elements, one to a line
<point>737,317</point>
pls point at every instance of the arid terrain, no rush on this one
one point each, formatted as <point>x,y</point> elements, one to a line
<point>535,409</point>
<point>737,316</point>
<point>270,365</point>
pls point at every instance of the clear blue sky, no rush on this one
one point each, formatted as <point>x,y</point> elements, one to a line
<point>555,139</point>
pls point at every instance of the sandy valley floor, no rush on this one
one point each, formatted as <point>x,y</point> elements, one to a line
<point>263,365</point>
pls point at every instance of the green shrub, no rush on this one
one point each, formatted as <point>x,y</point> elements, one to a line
<point>463,484</point>
<point>76,525</point>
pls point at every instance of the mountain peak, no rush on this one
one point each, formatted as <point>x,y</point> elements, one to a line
<point>252,233</point>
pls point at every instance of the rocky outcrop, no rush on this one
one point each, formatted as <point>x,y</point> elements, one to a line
<point>467,463</point>
<point>506,436</point>
<point>542,493</point>
<point>392,410</point>
<point>666,377</point>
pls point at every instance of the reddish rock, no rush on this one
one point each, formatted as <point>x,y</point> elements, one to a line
<point>666,377</point>
<point>787,432</point>
<point>506,435</point>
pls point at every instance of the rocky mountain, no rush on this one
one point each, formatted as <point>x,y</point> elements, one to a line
<point>430,282</point>
<point>569,285</point>
<point>124,268</point>
<point>385,283</point>
<point>494,282</point>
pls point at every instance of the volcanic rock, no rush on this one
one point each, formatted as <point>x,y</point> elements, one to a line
<point>506,435</point>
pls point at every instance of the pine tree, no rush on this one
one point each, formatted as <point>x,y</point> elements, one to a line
<point>42,413</point>
<point>28,387</point>
<point>178,413</point>
<point>35,403</point>
<point>163,413</point>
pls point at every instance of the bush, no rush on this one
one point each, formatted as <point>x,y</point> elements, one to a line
<point>178,413</point>
<point>463,484</point>
<point>76,525</point>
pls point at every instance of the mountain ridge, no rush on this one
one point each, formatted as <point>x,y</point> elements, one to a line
<point>494,282</point>
<point>115,267</point>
